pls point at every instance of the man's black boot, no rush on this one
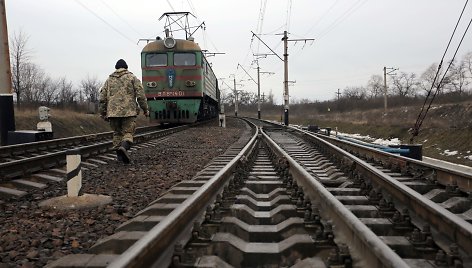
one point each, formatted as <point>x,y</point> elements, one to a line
<point>119,155</point>
<point>126,145</point>
<point>123,151</point>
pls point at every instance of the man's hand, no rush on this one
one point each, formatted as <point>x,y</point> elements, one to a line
<point>146,113</point>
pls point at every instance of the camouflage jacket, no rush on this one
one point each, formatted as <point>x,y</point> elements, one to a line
<point>119,94</point>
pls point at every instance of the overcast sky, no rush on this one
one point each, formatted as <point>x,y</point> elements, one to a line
<point>354,39</point>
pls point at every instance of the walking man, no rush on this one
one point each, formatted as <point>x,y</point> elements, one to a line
<point>119,99</point>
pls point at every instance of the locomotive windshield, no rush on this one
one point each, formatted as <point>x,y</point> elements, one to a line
<point>156,59</point>
<point>184,59</point>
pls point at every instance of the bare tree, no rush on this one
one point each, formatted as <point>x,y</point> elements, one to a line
<point>66,93</point>
<point>225,97</point>
<point>458,80</point>
<point>31,76</point>
<point>427,77</point>
<point>270,98</point>
<point>90,86</point>
<point>375,86</point>
<point>354,93</point>
<point>49,89</point>
<point>405,85</point>
<point>20,56</point>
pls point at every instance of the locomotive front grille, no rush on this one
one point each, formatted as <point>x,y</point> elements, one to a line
<point>166,114</point>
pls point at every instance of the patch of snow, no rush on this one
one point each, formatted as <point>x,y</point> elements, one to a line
<point>450,153</point>
<point>356,136</point>
<point>425,141</point>
<point>394,141</point>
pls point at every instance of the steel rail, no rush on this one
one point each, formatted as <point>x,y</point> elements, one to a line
<point>32,147</point>
<point>363,241</point>
<point>446,223</point>
<point>443,175</point>
<point>25,166</point>
<point>156,248</point>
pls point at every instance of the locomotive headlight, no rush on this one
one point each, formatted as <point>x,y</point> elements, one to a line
<point>190,83</point>
<point>151,84</point>
<point>169,42</point>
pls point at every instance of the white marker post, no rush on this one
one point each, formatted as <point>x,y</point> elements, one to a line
<point>74,182</point>
<point>222,116</point>
<point>74,173</point>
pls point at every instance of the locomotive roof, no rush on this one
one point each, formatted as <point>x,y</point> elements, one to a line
<point>181,45</point>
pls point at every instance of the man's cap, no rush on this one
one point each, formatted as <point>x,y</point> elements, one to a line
<point>121,63</point>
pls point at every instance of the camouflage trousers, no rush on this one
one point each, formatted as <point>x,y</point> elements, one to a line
<point>123,129</point>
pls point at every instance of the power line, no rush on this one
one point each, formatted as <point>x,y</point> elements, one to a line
<point>343,17</point>
<point>121,18</point>
<point>338,21</point>
<point>274,31</point>
<point>260,21</point>
<point>322,17</point>
<point>289,13</point>
<point>171,7</point>
<point>192,7</point>
<point>422,115</point>
<point>104,21</point>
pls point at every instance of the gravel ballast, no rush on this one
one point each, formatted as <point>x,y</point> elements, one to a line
<point>31,236</point>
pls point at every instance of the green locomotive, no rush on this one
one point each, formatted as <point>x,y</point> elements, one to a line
<point>178,81</point>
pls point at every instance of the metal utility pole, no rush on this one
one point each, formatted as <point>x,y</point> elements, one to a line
<point>258,83</point>
<point>7,115</point>
<point>235,92</point>
<point>385,84</point>
<point>338,94</point>
<point>258,87</point>
<point>235,98</point>
<point>285,60</point>
<point>258,91</point>
<point>286,94</point>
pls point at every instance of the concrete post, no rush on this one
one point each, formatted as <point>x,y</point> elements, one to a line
<point>74,173</point>
<point>222,116</point>
<point>286,94</point>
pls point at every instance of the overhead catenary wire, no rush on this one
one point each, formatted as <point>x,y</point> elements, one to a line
<point>354,7</point>
<point>322,17</point>
<point>171,7</point>
<point>289,14</point>
<point>106,22</point>
<point>422,115</point>
<point>206,37</point>
<point>121,18</point>
<point>260,20</point>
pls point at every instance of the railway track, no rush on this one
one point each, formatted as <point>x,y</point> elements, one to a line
<point>21,151</point>
<point>33,165</point>
<point>287,199</point>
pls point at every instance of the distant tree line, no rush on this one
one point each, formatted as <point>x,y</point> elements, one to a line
<point>246,98</point>
<point>34,87</point>
<point>403,89</point>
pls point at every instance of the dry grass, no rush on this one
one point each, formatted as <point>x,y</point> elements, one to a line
<point>66,123</point>
<point>446,127</point>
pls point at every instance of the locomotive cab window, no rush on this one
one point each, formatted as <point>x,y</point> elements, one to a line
<point>156,60</point>
<point>184,59</point>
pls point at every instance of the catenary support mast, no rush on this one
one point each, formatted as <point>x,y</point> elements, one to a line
<point>7,117</point>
